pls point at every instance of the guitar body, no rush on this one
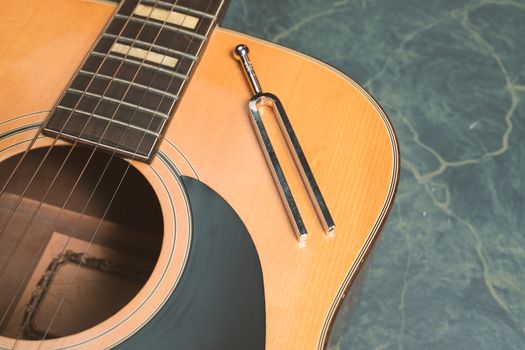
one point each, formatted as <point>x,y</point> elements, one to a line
<point>230,272</point>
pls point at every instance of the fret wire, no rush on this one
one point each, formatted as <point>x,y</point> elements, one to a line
<point>182,8</point>
<point>164,70</point>
<point>123,81</point>
<point>105,146</point>
<point>102,97</point>
<point>158,47</point>
<point>156,24</point>
<point>98,116</point>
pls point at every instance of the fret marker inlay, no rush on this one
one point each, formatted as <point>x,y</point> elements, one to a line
<point>173,17</point>
<point>144,54</point>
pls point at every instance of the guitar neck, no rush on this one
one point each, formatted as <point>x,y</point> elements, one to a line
<point>124,94</point>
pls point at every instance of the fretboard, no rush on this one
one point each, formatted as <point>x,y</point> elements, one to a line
<point>126,90</point>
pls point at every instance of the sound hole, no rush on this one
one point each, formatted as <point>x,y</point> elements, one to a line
<point>76,249</point>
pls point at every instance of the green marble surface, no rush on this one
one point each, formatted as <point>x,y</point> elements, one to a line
<point>449,270</point>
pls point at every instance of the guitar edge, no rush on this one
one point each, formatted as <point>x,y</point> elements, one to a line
<point>347,138</point>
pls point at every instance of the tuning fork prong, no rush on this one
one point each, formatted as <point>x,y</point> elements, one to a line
<point>269,100</point>
<point>275,167</point>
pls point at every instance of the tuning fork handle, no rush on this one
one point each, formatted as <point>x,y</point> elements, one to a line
<point>241,54</point>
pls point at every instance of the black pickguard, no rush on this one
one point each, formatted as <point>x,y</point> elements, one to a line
<point>219,302</point>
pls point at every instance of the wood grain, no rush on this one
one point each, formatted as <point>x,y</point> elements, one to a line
<point>346,137</point>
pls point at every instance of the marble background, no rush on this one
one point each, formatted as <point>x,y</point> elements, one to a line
<point>449,270</point>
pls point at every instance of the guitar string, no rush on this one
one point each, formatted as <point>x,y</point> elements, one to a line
<point>13,250</point>
<point>64,162</point>
<point>77,269</point>
<point>49,150</point>
<point>191,40</point>
<point>88,160</point>
<point>39,132</point>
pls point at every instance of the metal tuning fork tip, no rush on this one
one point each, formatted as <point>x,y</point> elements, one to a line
<point>269,100</point>
<point>240,50</point>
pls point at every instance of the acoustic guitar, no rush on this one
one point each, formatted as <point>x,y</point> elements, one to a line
<point>138,209</point>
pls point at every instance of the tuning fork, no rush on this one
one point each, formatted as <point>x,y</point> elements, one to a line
<point>265,99</point>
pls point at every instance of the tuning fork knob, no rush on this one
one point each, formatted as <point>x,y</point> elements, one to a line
<point>240,53</point>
